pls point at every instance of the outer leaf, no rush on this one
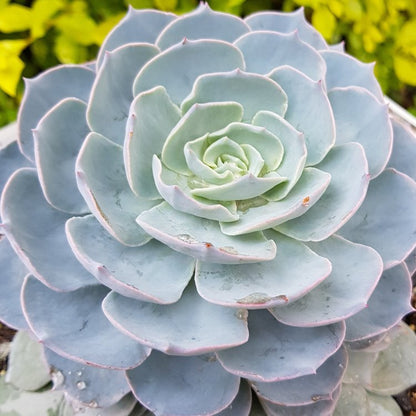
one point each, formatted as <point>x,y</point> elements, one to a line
<point>171,329</point>
<point>103,184</point>
<point>169,385</point>
<point>356,270</point>
<point>152,272</point>
<point>85,383</point>
<point>78,330</point>
<point>17,403</point>
<point>307,389</point>
<point>202,239</point>
<point>44,91</point>
<point>252,91</point>
<point>136,26</point>
<point>13,273</point>
<point>190,59</point>
<point>27,368</point>
<point>199,25</point>
<point>404,150</point>
<point>58,138</point>
<point>347,166</point>
<point>35,231</point>
<point>320,408</point>
<point>241,405</point>
<point>287,23</point>
<point>276,352</point>
<point>151,118</point>
<point>393,289</point>
<point>383,406</point>
<point>373,131</point>
<point>293,272</point>
<point>344,71</point>
<point>353,401</point>
<point>309,111</point>
<point>111,93</point>
<point>393,236</point>
<point>265,50</point>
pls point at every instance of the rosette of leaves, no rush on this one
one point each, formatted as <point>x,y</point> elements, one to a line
<point>214,209</point>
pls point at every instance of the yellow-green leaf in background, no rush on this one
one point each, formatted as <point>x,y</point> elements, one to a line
<point>78,27</point>
<point>43,11</point>
<point>141,4</point>
<point>405,53</point>
<point>336,7</point>
<point>68,51</point>
<point>166,5</point>
<point>324,21</point>
<point>353,10</point>
<point>11,66</point>
<point>15,18</point>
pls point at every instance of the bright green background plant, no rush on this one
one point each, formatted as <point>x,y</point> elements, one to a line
<point>38,34</point>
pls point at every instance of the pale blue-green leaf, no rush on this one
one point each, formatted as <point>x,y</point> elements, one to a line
<point>403,155</point>
<point>244,187</point>
<point>353,401</point>
<point>151,118</point>
<point>291,274</point>
<point>178,67</point>
<point>202,23</point>
<point>294,147</point>
<point>339,47</point>
<point>394,290</point>
<point>58,138</point>
<point>369,342</point>
<point>36,232</point>
<point>310,187</point>
<point>194,153</point>
<point>112,94</point>
<point>309,111</point>
<point>8,135</point>
<point>265,50</point>
<point>320,408</point>
<point>127,406</point>
<point>86,383</point>
<point>136,26</point>
<point>10,160</point>
<point>21,403</point>
<point>373,132</point>
<point>348,168</point>
<point>360,366</point>
<point>383,405</point>
<point>12,275</point>
<point>287,23</point>
<point>356,270</point>
<point>276,352</point>
<point>394,369</point>
<point>344,71</point>
<point>252,91</point>
<point>411,262</point>
<point>174,329</point>
<point>309,389</point>
<point>199,120</point>
<point>386,220</point>
<point>103,184</point>
<point>203,239</point>
<point>223,146</point>
<point>169,385</point>
<point>78,329</point>
<point>27,368</point>
<point>43,92</point>
<point>174,189</point>
<point>266,143</point>
<point>152,272</point>
<point>242,403</point>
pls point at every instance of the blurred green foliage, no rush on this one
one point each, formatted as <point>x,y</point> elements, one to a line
<point>38,34</point>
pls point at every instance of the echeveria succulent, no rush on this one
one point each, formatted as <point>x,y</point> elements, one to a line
<point>216,206</point>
